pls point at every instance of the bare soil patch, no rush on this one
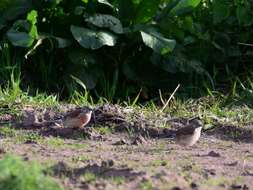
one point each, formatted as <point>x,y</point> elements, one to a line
<point>124,149</point>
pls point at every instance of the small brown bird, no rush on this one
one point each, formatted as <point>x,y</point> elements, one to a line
<point>189,135</point>
<point>77,118</point>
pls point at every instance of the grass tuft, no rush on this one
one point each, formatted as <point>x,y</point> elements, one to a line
<point>20,175</point>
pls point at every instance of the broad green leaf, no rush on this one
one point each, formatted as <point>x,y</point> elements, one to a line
<point>157,42</point>
<point>169,6</point>
<point>180,63</point>
<point>10,10</point>
<point>106,21</point>
<point>244,15</point>
<point>146,10</point>
<point>185,6</point>
<point>92,39</point>
<point>20,39</point>
<point>19,35</point>
<point>221,11</point>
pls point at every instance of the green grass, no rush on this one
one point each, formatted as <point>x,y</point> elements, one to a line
<point>88,177</point>
<point>57,142</point>
<point>117,180</point>
<point>212,109</point>
<point>8,131</point>
<point>159,162</point>
<point>12,95</point>
<point>13,99</point>
<point>215,182</point>
<point>53,142</point>
<point>19,136</point>
<point>104,130</point>
<point>146,185</point>
<point>17,174</point>
<point>77,159</point>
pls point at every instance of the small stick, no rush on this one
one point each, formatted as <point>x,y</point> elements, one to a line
<point>171,96</point>
<point>161,97</point>
<point>245,44</point>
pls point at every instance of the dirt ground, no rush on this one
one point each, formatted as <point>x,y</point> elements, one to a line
<point>114,152</point>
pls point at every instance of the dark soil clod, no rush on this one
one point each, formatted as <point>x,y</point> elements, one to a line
<point>213,154</point>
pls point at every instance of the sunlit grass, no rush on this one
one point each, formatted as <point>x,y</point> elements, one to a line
<point>216,107</point>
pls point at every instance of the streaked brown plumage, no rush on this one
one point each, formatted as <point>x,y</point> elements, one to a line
<point>77,118</point>
<point>189,135</point>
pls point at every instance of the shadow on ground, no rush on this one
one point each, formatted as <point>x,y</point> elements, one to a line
<point>105,170</point>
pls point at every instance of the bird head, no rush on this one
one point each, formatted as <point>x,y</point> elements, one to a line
<point>196,123</point>
<point>86,111</point>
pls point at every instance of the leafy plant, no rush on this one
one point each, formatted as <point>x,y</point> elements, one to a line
<point>113,46</point>
<point>19,175</point>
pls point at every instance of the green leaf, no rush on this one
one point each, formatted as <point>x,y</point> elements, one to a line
<point>244,15</point>
<point>157,42</point>
<point>106,21</point>
<point>32,18</point>
<point>78,81</point>
<point>20,39</point>
<point>180,63</point>
<point>146,10</point>
<point>10,10</point>
<point>185,6</point>
<point>221,11</point>
<point>92,39</point>
<point>19,35</point>
<point>188,24</point>
<point>24,32</point>
<point>105,2</point>
<point>126,11</point>
<point>166,11</point>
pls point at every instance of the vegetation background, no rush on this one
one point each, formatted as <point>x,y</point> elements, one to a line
<point>119,48</point>
<point>87,51</point>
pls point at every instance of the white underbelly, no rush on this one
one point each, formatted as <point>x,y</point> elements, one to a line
<point>188,140</point>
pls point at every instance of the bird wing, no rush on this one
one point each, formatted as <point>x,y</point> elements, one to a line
<point>74,113</point>
<point>188,130</point>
